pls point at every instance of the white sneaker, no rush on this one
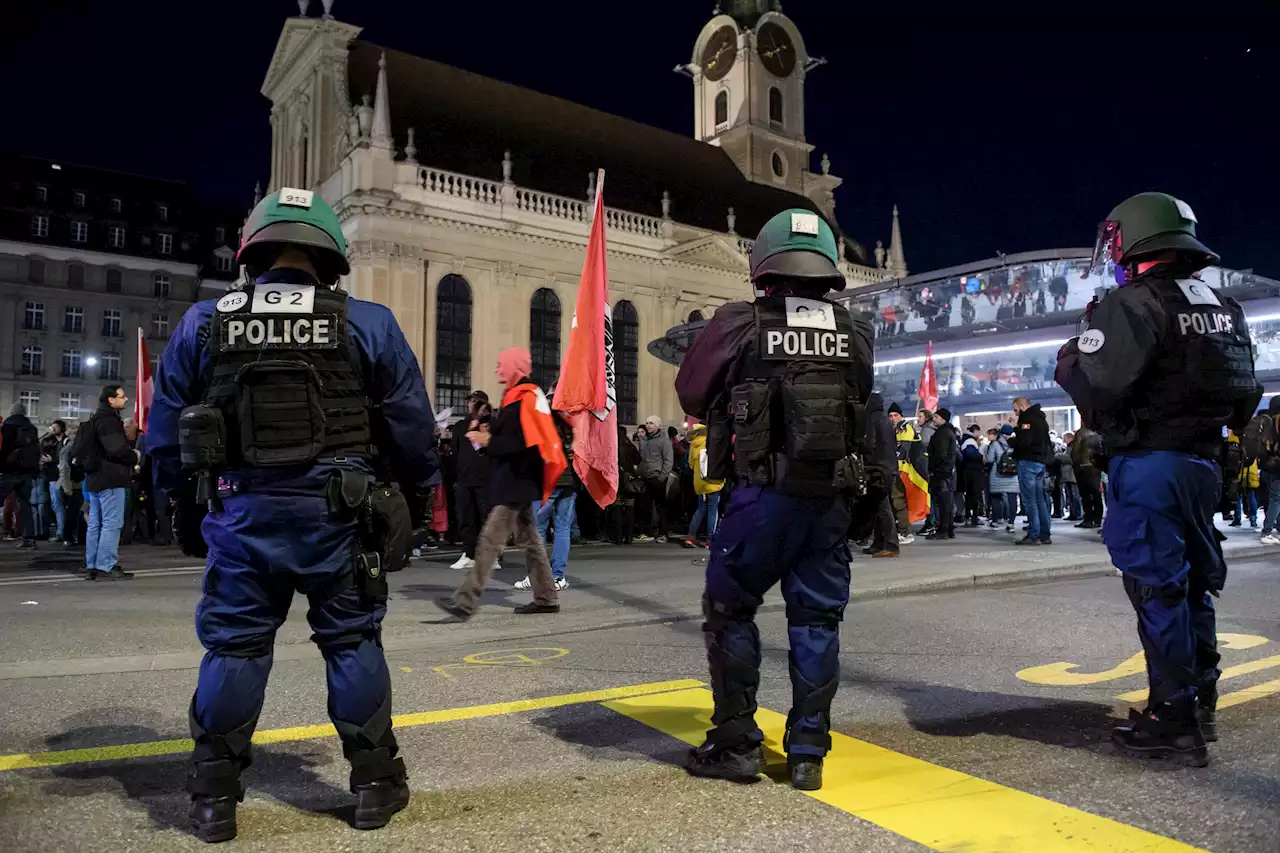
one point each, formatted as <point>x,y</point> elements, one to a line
<point>906,540</point>
<point>464,564</point>
<point>497,566</point>
<point>1270,539</point>
<point>528,584</point>
<point>417,552</point>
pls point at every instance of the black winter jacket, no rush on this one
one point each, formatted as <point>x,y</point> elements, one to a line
<point>471,467</point>
<point>1033,444</point>
<point>517,468</point>
<point>944,447</point>
<point>111,452</point>
<point>19,446</point>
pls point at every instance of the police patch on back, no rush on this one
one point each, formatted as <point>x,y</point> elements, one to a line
<point>252,332</point>
<point>808,330</point>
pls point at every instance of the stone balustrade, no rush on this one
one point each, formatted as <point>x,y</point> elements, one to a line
<point>547,204</point>
<point>460,186</point>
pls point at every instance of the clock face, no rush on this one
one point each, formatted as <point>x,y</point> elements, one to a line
<point>721,51</point>
<point>776,50</point>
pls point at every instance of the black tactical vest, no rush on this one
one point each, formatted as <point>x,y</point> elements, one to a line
<point>286,377</point>
<point>793,402</point>
<point>1204,368</point>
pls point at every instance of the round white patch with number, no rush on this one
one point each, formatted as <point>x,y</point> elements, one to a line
<point>1091,341</point>
<point>233,301</point>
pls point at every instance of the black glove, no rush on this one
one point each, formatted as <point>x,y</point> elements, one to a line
<point>420,507</point>
<point>188,515</point>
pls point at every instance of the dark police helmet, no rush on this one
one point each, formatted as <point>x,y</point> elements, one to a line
<point>297,218</point>
<point>1146,225</point>
<point>797,244</point>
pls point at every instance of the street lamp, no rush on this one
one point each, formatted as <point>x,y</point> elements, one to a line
<point>91,361</point>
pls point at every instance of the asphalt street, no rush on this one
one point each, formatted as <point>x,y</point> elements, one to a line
<point>972,719</point>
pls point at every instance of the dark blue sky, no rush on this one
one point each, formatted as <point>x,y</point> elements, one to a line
<point>992,132</point>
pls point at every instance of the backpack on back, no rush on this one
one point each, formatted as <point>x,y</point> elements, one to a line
<point>1006,465</point>
<point>1259,441</point>
<point>23,457</point>
<point>1233,461</point>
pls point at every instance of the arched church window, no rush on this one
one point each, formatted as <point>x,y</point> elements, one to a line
<point>722,108</point>
<point>696,317</point>
<point>626,355</point>
<point>775,105</point>
<point>453,343</point>
<point>544,337</point>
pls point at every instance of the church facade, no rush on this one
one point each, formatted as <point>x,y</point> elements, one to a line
<point>466,201</point>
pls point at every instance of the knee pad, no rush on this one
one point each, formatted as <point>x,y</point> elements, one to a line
<point>718,615</point>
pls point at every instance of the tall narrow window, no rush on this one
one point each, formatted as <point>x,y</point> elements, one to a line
<point>453,343</point>
<point>544,337</point>
<point>722,108</point>
<point>626,356</point>
<point>161,286</point>
<point>166,244</point>
<point>109,366</point>
<point>116,205</point>
<point>79,232</point>
<point>78,199</point>
<point>31,402</point>
<point>71,362</point>
<point>32,360</point>
<point>775,106</point>
<point>39,226</point>
<point>69,405</point>
<point>111,323</point>
<point>159,325</point>
<point>162,212</point>
<point>33,317</point>
<point>117,237</point>
<point>42,193</point>
<point>73,320</point>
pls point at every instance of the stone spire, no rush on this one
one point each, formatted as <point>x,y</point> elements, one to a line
<point>896,261</point>
<point>382,109</point>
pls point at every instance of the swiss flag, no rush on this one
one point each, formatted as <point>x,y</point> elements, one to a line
<point>586,391</point>
<point>928,382</point>
<point>146,385</point>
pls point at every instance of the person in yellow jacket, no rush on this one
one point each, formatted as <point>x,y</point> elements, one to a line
<point>708,491</point>
<point>1249,481</point>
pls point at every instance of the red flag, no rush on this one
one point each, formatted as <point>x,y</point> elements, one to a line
<point>928,382</point>
<point>146,385</point>
<point>585,392</point>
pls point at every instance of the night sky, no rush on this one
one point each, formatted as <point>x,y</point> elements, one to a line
<point>991,132</point>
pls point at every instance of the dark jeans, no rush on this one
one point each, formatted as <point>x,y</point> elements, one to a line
<point>1089,480</point>
<point>944,506</point>
<point>657,491</point>
<point>972,495</point>
<point>1004,507</point>
<point>622,521</point>
<point>21,485</point>
<point>885,537</point>
<point>473,509</point>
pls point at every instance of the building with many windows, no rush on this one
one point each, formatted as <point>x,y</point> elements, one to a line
<point>87,257</point>
<point>466,200</point>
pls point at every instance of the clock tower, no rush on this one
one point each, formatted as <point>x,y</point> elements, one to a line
<point>748,68</point>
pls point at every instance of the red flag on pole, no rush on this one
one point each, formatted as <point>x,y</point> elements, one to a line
<point>928,382</point>
<point>585,392</point>
<point>142,396</point>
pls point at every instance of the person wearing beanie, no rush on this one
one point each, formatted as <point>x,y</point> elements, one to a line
<point>19,466</point>
<point>944,448</point>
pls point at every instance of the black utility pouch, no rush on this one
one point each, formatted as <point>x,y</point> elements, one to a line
<point>345,492</point>
<point>202,438</point>
<point>389,526</point>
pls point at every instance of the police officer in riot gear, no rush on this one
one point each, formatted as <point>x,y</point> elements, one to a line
<point>781,382</point>
<point>285,403</point>
<point>1165,363</point>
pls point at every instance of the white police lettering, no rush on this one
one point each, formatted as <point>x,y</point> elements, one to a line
<point>1199,293</point>
<point>281,298</point>
<point>296,198</point>
<point>277,331</point>
<point>1206,324</point>
<point>805,344</point>
<point>1091,341</point>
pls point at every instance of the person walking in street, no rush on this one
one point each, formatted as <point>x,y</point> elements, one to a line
<point>1166,363</point>
<point>944,450</point>
<point>1033,449</point>
<point>708,491</point>
<point>528,459</point>
<point>558,511</point>
<point>19,468</point>
<point>108,463</point>
<point>657,461</point>
<point>472,470</point>
<point>971,465</point>
<point>1002,483</point>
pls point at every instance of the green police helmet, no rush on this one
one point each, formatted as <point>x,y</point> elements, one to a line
<point>797,243</point>
<point>1148,224</point>
<point>299,218</point>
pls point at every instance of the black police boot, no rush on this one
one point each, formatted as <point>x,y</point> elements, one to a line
<point>806,772</point>
<point>378,779</point>
<point>1168,732</point>
<point>742,762</point>
<point>214,782</point>
<point>1207,711</point>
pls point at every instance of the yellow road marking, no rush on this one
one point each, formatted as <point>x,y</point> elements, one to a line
<point>940,808</point>
<point>23,761</point>
<point>1230,672</point>
<point>1258,691</point>
<point>1061,674</point>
